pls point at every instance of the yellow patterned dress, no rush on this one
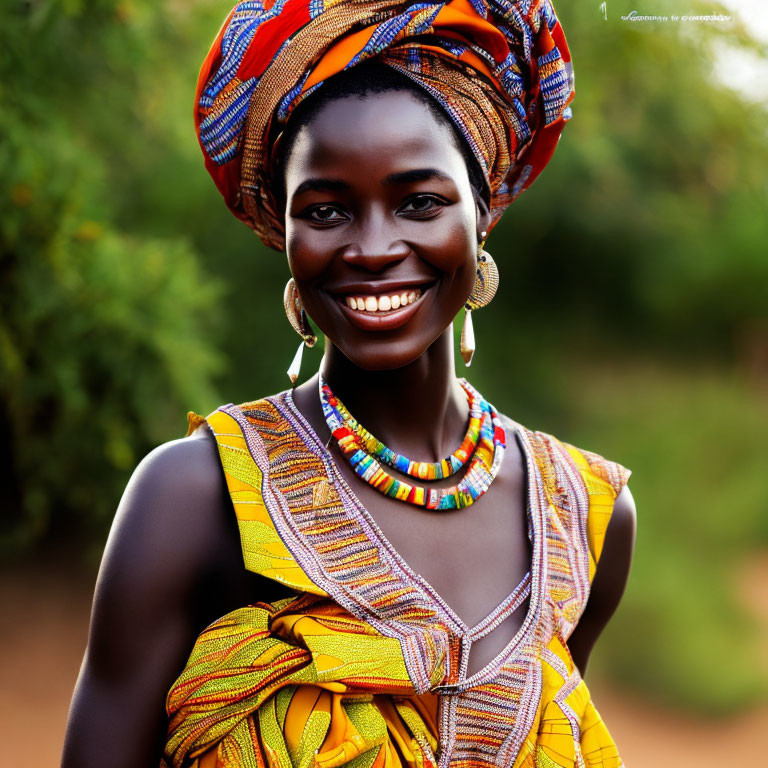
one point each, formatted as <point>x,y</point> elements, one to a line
<point>365,667</point>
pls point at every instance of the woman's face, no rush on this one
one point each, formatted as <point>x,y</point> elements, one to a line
<point>382,226</point>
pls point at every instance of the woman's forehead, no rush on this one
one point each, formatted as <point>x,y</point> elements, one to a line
<point>392,126</point>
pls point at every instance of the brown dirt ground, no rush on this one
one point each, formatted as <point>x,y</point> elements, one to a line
<point>45,629</point>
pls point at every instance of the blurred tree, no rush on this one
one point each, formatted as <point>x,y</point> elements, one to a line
<point>106,334</point>
<point>651,223</point>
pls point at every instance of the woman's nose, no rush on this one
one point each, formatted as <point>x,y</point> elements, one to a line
<point>376,247</point>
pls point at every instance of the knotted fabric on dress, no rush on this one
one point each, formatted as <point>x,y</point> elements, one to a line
<point>501,70</point>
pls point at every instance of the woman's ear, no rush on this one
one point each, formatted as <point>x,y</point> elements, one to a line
<point>483,214</point>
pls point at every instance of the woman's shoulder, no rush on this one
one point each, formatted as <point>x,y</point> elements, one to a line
<point>172,518</point>
<point>609,513</point>
<point>185,471</point>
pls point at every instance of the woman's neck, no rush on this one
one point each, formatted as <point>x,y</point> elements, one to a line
<point>419,410</point>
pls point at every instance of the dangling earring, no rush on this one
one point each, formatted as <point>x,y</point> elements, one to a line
<point>300,322</point>
<point>484,289</point>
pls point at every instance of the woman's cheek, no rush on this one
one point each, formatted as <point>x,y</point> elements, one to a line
<point>449,245</point>
<point>306,262</point>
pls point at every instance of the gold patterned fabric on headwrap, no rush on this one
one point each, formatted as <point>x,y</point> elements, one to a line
<point>499,68</point>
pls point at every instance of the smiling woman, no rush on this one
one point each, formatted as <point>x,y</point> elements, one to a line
<point>391,611</point>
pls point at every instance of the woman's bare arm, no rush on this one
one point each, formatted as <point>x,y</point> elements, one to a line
<point>609,581</point>
<point>172,565</point>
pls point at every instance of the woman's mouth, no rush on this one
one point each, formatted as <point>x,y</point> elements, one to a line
<point>382,303</point>
<point>386,310</point>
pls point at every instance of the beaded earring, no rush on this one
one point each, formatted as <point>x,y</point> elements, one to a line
<point>484,289</point>
<point>298,319</point>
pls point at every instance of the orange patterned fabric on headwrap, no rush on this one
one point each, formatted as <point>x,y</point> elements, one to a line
<point>501,69</point>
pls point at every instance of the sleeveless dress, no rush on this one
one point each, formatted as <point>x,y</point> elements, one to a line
<point>365,667</point>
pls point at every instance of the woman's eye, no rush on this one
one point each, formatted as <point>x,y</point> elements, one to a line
<point>326,214</point>
<point>422,204</point>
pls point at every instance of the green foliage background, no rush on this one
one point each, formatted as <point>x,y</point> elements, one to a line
<point>631,320</point>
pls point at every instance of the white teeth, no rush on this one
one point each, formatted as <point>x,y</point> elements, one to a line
<point>382,303</point>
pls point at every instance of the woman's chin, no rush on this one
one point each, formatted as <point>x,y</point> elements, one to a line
<point>381,355</point>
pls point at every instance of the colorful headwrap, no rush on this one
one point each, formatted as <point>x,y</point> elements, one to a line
<point>500,68</point>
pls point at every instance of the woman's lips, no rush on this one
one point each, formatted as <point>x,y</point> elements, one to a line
<point>379,319</point>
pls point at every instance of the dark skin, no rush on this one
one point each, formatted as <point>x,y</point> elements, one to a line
<point>365,214</point>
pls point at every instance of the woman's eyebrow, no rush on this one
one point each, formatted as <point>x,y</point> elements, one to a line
<point>321,185</point>
<point>417,174</point>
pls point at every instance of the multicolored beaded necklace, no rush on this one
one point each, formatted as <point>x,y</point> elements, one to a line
<point>485,442</point>
<point>422,470</point>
